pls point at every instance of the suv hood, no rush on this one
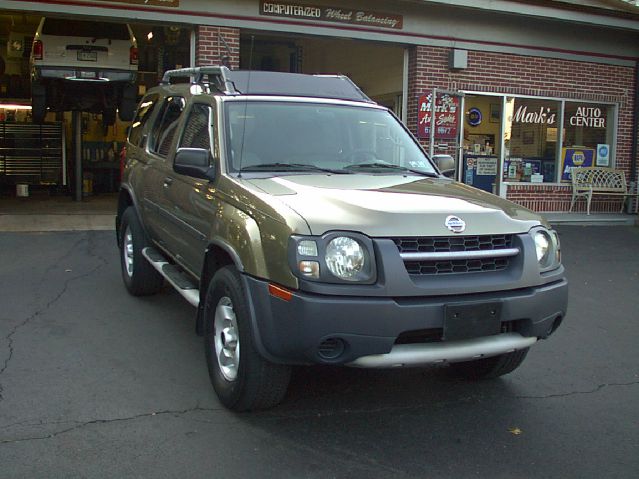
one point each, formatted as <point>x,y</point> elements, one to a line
<point>393,205</point>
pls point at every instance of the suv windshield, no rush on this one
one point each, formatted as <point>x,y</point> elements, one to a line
<point>309,137</point>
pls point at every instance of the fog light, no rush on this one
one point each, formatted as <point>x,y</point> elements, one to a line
<point>310,269</point>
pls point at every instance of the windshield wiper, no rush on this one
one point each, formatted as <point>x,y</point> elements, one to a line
<point>292,167</point>
<point>389,166</point>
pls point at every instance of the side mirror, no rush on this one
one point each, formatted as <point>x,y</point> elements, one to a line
<point>195,162</point>
<point>445,164</point>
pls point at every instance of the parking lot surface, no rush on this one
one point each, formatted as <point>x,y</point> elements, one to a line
<point>96,383</point>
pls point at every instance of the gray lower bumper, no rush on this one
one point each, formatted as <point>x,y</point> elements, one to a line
<point>373,330</point>
<point>455,351</point>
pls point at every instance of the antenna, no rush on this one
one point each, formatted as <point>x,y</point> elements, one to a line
<point>248,91</point>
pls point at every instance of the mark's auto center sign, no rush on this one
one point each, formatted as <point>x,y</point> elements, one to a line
<point>331,14</point>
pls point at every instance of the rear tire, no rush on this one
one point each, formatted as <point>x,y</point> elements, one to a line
<point>108,116</point>
<point>128,102</point>
<point>489,368</point>
<point>242,379</point>
<point>139,276</point>
<point>38,103</point>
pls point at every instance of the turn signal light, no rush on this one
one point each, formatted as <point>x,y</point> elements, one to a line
<point>280,292</point>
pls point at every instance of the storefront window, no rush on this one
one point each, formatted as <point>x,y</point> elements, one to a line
<point>530,140</point>
<point>543,139</point>
<point>587,136</point>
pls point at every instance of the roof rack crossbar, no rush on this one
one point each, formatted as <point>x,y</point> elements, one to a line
<point>197,74</point>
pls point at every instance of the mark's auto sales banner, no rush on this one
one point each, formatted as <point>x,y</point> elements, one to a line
<point>446,116</point>
<point>331,14</point>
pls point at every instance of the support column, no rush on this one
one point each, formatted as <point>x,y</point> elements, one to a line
<point>77,154</point>
<point>217,46</point>
<point>416,87</point>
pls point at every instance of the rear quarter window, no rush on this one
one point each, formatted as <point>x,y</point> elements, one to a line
<point>147,105</point>
<point>165,126</point>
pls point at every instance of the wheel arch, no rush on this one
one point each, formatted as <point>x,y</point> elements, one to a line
<point>218,254</point>
<point>126,199</point>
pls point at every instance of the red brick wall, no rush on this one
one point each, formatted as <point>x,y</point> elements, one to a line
<point>528,75</point>
<point>558,197</point>
<point>217,45</point>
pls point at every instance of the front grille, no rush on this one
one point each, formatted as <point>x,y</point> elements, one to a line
<point>456,266</point>
<point>458,245</point>
<point>452,243</point>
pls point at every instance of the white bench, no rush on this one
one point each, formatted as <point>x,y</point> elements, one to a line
<point>596,180</point>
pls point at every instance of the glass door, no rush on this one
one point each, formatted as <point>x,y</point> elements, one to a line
<point>481,144</point>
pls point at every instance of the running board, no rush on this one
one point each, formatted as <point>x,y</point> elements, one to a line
<point>452,352</point>
<point>173,275</point>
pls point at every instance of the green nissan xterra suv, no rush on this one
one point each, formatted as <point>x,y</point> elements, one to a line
<point>307,226</point>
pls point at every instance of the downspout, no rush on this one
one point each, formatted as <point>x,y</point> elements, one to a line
<point>635,133</point>
<point>635,129</point>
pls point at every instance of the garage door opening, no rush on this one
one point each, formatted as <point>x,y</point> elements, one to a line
<point>377,68</point>
<point>38,144</point>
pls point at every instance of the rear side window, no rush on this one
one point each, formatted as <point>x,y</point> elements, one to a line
<point>80,28</point>
<point>165,126</point>
<point>197,128</point>
<point>147,105</point>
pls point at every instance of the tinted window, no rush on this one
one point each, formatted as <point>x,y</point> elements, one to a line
<point>166,125</point>
<point>142,116</point>
<point>197,131</point>
<point>79,28</point>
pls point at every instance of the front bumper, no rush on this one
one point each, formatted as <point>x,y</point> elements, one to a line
<point>298,331</point>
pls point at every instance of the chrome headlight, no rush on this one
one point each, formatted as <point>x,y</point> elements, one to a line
<point>333,258</point>
<point>345,258</point>
<point>547,248</point>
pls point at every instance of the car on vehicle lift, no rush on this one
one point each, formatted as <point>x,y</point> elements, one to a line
<point>86,66</point>
<point>308,226</point>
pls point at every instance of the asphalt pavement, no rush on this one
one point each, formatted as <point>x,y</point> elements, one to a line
<point>96,383</point>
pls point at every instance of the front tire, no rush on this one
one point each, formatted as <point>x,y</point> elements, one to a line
<point>489,368</point>
<point>242,379</point>
<point>139,276</point>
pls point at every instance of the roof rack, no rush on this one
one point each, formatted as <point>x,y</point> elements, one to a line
<point>217,74</point>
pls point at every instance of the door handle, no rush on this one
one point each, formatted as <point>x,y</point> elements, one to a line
<point>168,181</point>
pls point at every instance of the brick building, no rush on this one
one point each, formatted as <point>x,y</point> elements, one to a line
<point>523,90</point>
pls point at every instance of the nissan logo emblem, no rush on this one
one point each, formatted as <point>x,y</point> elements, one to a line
<point>455,224</point>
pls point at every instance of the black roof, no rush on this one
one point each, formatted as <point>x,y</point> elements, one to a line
<point>245,82</point>
<point>295,84</point>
